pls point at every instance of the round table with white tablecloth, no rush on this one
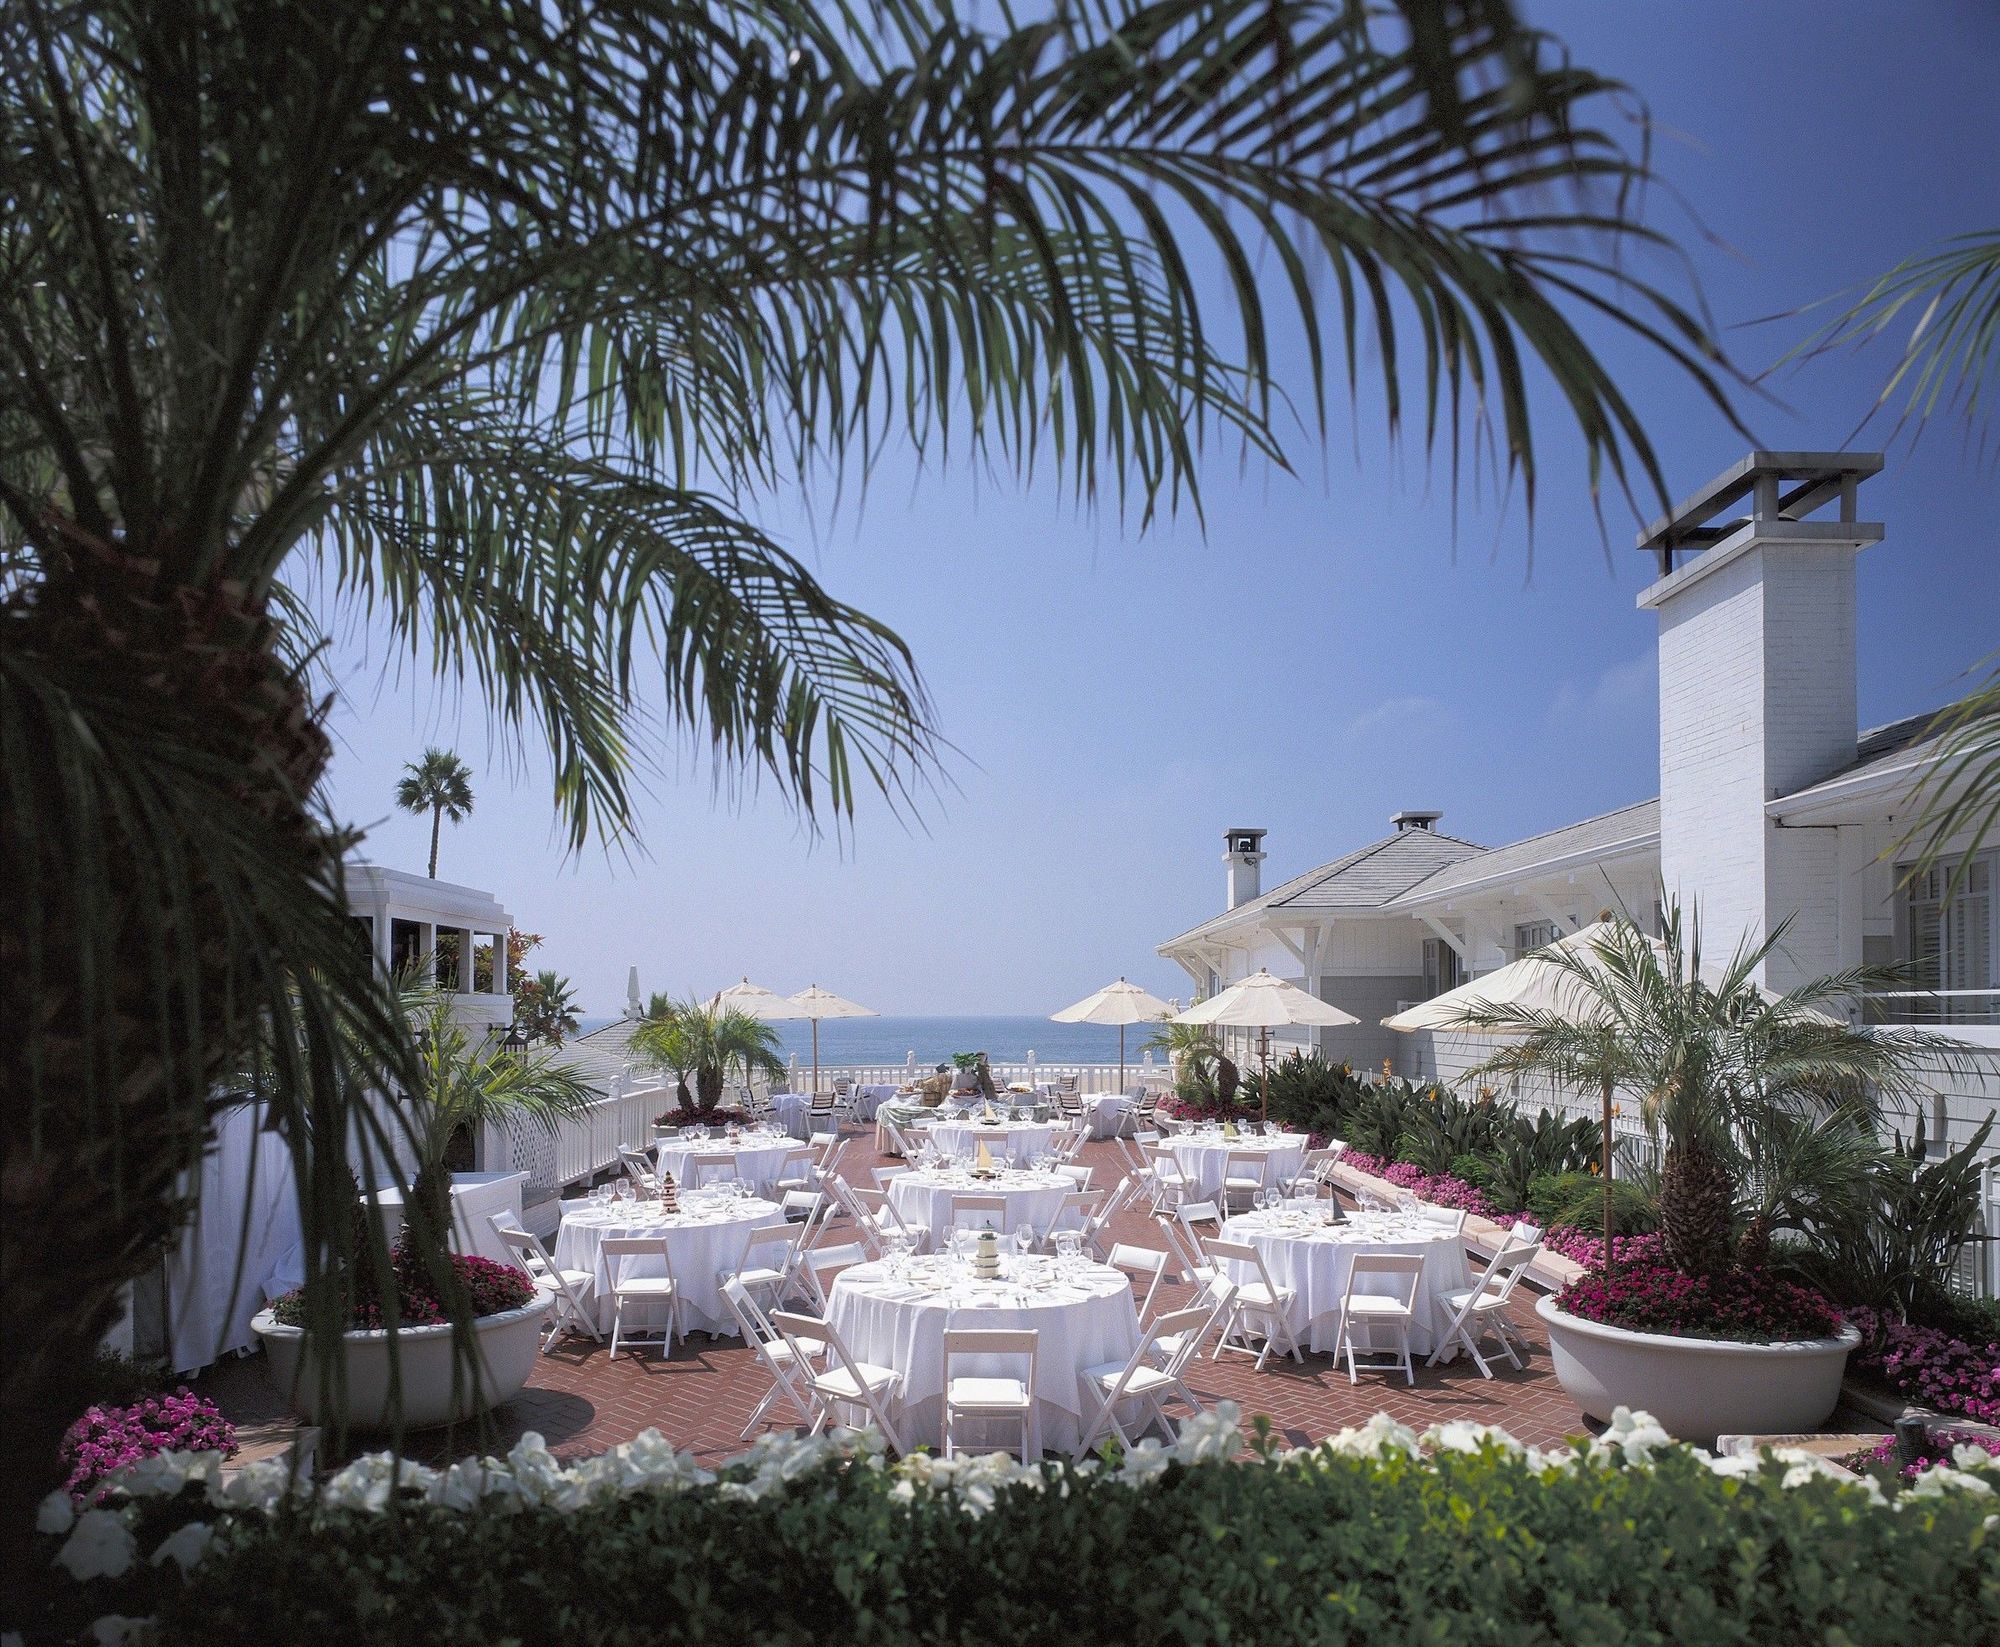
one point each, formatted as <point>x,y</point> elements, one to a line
<point>1013,1141</point>
<point>1107,1113</point>
<point>759,1157</point>
<point>1203,1158</point>
<point>793,1112</point>
<point>1313,1259</point>
<point>1083,1321</point>
<point>922,1197</point>
<point>704,1244</point>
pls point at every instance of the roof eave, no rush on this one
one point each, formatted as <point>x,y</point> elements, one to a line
<point>1631,846</point>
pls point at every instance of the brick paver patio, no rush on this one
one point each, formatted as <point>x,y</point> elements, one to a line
<point>702,1395</point>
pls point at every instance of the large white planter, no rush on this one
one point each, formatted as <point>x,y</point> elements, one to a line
<point>1698,1388</point>
<point>507,1343</point>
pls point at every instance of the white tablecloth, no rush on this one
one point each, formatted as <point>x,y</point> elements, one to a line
<point>760,1162</point>
<point>868,1099</point>
<point>1107,1112</point>
<point>1016,1141</point>
<point>900,1324</point>
<point>791,1109</point>
<point>1314,1262</point>
<point>1204,1160</point>
<point>702,1248</point>
<point>922,1197</point>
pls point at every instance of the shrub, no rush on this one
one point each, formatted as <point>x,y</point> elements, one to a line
<point>1947,1374</point>
<point>108,1438</point>
<point>1976,1320</point>
<point>1576,1200</point>
<point>1311,1095</point>
<point>1363,1539</point>
<point>493,1289</point>
<point>1753,1305</point>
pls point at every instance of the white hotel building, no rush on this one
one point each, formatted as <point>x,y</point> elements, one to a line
<point>1773,803</point>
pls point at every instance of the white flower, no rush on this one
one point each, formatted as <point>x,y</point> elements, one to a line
<point>1969,1455</point>
<point>259,1486</point>
<point>372,1480</point>
<point>1215,1434</point>
<point>1461,1435</point>
<point>1144,1461</point>
<point>184,1546</point>
<point>1942,1478</point>
<point>114,1628</point>
<point>1378,1438</point>
<point>55,1513</point>
<point>100,1546</point>
<point>165,1474</point>
<point>1633,1436</point>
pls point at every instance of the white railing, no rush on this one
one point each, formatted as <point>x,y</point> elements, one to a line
<point>1932,1006</point>
<point>1095,1077</point>
<point>580,1147</point>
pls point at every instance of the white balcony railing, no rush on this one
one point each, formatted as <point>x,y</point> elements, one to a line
<point>1932,1006</point>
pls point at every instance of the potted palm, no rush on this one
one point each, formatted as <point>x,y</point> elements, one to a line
<point>1764,1107</point>
<point>704,1049</point>
<point>415,1375</point>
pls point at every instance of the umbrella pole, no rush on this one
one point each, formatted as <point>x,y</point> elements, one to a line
<point>1264,1083</point>
<point>815,1025</point>
<point>1610,1263</point>
<point>1121,1060</point>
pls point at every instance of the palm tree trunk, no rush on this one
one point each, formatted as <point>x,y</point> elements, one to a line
<point>437,819</point>
<point>89,1185</point>
<point>1610,1261</point>
<point>1697,1204</point>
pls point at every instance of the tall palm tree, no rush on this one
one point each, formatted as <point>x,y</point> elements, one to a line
<point>440,784</point>
<point>1761,1100</point>
<point>501,322</point>
<point>710,1048</point>
<point>545,1007</point>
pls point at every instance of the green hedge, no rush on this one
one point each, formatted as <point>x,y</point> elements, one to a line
<point>1365,1540</point>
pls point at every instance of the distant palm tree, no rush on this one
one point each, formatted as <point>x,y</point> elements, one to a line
<point>440,784</point>
<point>708,1047</point>
<point>545,1008</point>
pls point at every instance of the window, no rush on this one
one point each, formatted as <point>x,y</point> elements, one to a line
<point>1952,942</point>
<point>1533,935</point>
<point>1443,969</point>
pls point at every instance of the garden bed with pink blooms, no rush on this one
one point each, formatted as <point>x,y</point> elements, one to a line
<point>1928,1366</point>
<point>109,1438</point>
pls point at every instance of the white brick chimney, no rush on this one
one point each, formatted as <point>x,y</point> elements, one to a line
<point>1757,696</point>
<point>1243,854</point>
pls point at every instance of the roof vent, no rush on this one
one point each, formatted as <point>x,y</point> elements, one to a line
<point>1408,819</point>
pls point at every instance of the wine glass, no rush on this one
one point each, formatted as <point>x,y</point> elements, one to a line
<point>1024,1239</point>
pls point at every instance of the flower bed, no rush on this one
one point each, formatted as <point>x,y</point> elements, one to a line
<point>1583,1247</point>
<point>1441,1189</point>
<point>1748,1306</point>
<point>494,1288</point>
<point>1925,1365</point>
<point>1458,1536</point>
<point>108,1439</point>
<point>1939,1448</point>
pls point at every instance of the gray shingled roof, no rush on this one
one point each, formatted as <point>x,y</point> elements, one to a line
<point>600,1055</point>
<point>1882,747</point>
<point>1366,879</point>
<point>1634,826</point>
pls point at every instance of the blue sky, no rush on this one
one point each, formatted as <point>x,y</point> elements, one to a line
<point>1326,654</point>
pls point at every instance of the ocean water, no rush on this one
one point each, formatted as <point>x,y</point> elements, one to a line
<point>1005,1040</point>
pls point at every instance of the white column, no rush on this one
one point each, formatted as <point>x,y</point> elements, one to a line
<point>466,976</point>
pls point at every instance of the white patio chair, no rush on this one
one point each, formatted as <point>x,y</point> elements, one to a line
<point>1261,1307</point>
<point>977,1212</point>
<point>795,1171</point>
<point>768,1264</point>
<point>1169,1182</point>
<point>620,1252</point>
<point>638,1165</point>
<point>1142,1261</point>
<point>1482,1308</point>
<point>780,1356</point>
<point>844,1382</point>
<point>1143,1377</point>
<point>884,1176</point>
<point>1076,1174</point>
<point>1245,1174</point>
<point>1315,1174</point>
<point>1097,1227</point>
<point>1524,1233</point>
<point>874,1215</point>
<point>897,1140</point>
<point>710,1167</point>
<point>1445,1218</point>
<point>987,1396</point>
<point>1369,1310</point>
<point>571,1287</point>
<point>820,1262</point>
<point>1215,1296</point>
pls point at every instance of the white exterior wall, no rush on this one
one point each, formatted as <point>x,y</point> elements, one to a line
<point>1757,700</point>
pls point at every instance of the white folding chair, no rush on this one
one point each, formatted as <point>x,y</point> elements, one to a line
<point>1245,1174</point>
<point>638,1166</point>
<point>1524,1233</point>
<point>710,1167</point>
<point>1169,1182</point>
<point>977,1212</point>
<point>1215,1296</point>
<point>1261,1307</point>
<point>571,1287</point>
<point>1143,1378</point>
<point>1142,1261</point>
<point>768,1264</point>
<point>1077,1175</point>
<point>620,1253</point>
<point>987,1396</point>
<point>795,1171</point>
<point>844,1382</point>
<point>1315,1173</point>
<point>1448,1218</point>
<point>898,1142</point>
<point>816,1265</point>
<point>1097,1227</point>
<point>884,1176</point>
<point>1482,1308</point>
<point>1395,1310</point>
<point>779,1355</point>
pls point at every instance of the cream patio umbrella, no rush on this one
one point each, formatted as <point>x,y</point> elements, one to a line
<point>1121,1004</point>
<point>1264,1002</point>
<point>755,1000</point>
<point>816,1003</point>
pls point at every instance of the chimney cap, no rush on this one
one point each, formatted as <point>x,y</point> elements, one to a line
<point>1414,818</point>
<point>1245,840</point>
